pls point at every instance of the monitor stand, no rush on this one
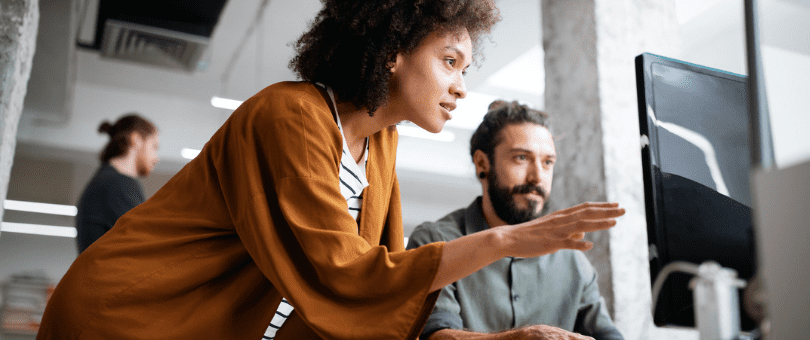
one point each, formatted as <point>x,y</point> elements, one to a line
<point>714,292</point>
<point>717,308</point>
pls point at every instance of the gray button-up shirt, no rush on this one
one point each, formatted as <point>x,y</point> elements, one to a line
<point>558,289</point>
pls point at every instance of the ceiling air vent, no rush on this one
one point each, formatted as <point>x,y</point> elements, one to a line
<point>153,45</point>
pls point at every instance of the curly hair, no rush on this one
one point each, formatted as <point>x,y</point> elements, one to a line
<point>501,114</point>
<point>352,43</point>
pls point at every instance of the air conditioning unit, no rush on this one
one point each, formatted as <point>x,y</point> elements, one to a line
<point>153,45</point>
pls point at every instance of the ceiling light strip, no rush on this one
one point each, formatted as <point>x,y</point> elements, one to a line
<point>42,208</point>
<point>189,153</point>
<point>225,103</point>
<point>38,229</point>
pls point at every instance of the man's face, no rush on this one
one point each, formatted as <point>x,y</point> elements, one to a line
<point>147,155</point>
<point>519,180</point>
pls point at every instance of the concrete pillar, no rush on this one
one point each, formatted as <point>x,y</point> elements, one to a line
<point>590,92</point>
<point>18,33</point>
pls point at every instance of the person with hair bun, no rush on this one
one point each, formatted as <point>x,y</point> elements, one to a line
<point>296,197</point>
<point>114,189</point>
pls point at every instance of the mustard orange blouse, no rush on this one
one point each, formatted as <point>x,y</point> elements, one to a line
<point>256,216</point>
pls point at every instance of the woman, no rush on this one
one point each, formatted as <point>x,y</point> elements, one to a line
<point>265,212</point>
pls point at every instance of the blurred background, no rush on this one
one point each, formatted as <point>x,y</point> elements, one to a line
<point>84,73</point>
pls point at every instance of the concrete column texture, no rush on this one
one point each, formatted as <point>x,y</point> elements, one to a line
<point>18,32</point>
<point>590,46</point>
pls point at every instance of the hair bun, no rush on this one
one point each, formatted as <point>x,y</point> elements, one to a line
<point>105,127</point>
<point>500,103</point>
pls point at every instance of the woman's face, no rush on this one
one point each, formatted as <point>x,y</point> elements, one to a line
<point>427,82</point>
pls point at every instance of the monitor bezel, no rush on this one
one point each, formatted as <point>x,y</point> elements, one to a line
<point>644,87</point>
<point>659,254</point>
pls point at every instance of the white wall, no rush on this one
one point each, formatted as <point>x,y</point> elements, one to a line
<point>716,38</point>
<point>182,122</point>
<point>787,82</point>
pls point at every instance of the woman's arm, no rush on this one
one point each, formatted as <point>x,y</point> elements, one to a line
<point>563,229</point>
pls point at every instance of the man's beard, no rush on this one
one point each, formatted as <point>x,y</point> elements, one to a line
<point>503,200</point>
<point>142,167</point>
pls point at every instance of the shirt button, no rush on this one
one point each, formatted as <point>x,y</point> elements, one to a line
<point>515,298</point>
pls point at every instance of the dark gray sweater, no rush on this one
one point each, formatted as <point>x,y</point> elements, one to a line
<point>109,195</point>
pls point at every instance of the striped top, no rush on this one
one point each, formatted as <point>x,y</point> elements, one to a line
<point>352,177</point>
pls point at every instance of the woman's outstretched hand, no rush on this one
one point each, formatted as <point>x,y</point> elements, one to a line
<point>563,229</point>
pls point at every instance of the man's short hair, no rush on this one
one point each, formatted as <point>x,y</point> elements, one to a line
<point>352,44</point>
<point>501,114</point>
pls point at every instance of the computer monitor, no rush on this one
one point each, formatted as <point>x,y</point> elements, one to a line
<point>696,160</point>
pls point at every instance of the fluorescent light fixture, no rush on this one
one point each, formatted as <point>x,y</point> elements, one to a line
<point>42,208</point>
<point>38,229</point>
<point>411,131</point>
<point>225,103</point>
<point>189,153</point>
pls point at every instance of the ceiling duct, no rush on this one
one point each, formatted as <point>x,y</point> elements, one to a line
<point>166,33</point>
<point>153,45</point>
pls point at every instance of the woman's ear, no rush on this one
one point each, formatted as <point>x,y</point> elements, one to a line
<point>393,66</point>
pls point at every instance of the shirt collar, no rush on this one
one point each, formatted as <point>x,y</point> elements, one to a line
<point>474,221</point>
<point>474,218</point>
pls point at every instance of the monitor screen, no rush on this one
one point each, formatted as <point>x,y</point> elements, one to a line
<point>696,159</point>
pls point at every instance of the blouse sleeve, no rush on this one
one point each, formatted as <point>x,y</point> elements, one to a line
<point>277,165</point>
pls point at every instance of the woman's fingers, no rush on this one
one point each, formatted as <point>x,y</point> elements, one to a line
<point>576,245</point>
<point>589,214</point>
<point>576,229</point>
<point>597,213</point>
<point>565,229</point>
<point>586,205</point>
<point>590,225</point>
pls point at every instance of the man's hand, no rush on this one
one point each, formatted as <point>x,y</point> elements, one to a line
<point>548,333</point>
<point>538,332</point>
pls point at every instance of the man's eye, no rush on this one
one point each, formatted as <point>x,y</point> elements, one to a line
<point>452,62</point>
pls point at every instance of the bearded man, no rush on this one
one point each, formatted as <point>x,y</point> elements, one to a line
<point>554,296</point>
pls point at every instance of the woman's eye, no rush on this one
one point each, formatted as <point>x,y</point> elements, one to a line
<point>451,62</point>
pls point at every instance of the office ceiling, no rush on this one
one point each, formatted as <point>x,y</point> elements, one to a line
<point>72,89</point>
<point>249,48</point>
